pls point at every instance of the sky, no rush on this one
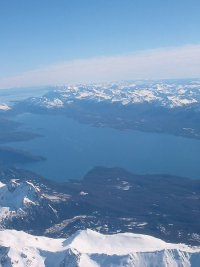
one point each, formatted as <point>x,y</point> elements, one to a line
<point>44,42</point>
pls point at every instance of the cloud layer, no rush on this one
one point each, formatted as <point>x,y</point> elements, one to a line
<point>164,63</point>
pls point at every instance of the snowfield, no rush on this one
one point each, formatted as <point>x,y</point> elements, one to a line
<point>91,249</point>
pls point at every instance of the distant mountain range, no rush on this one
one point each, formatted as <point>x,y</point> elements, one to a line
<point>170,94</point>
<point>157,106</point>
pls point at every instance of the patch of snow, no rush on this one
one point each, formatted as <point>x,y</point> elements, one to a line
<point>57,197</point>
<point>82,193</point>
<point>124,186</point>
<point>26,200</point>
<point>55,103</point>
<point>4,107</point>
<point>2,184</point>
<point>142,224</point>
<point>178,102</point>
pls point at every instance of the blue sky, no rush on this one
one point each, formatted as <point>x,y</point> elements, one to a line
<point>42,33</point>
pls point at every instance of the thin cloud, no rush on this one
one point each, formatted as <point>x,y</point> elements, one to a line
<point>164,63</point>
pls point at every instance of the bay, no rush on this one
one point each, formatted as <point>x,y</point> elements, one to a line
<point>71,149</point>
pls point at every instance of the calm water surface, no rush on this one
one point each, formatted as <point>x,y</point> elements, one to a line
<point>71,149</point>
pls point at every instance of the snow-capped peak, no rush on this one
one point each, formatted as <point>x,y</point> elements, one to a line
<point>91,249</point>
<point>15,196</point>
<point>169,95</point>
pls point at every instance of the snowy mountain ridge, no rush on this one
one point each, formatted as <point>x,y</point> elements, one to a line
<point>87,248</point>
<point>164,94</point>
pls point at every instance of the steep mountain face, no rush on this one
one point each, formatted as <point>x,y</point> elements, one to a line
<point>91,249</point>
<point>22,203</point>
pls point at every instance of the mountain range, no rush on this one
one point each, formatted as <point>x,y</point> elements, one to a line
<point>151,106</point>
<point>110,217</point>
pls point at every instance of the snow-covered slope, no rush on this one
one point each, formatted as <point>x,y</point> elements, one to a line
<point>91,249</point>
<point>15,197</point>
<point>23,202</point>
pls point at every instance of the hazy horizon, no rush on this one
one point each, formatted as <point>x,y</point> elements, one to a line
<point>51,43</point>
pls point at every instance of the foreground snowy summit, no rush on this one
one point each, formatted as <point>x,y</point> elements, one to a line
<point>91,249</point>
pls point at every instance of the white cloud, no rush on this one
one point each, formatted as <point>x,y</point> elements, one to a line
<point>164,63</point>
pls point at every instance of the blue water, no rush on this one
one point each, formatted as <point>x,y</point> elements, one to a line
<point>71,149</point>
